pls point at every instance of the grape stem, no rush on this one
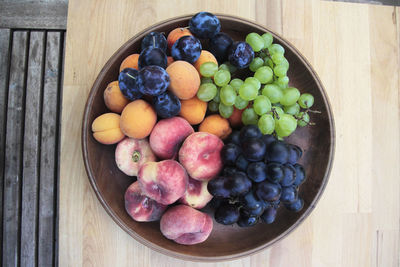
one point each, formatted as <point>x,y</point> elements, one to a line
<point>130,76</point>
<point>275,113</point>
<point>313,111</point>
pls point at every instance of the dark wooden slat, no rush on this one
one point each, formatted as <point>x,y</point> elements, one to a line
<point>34,14</point>
<point>48,164</point>
<point>5,39</point>
<point>13,150</point>
<point>30,173</point>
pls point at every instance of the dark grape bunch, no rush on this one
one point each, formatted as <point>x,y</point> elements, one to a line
<point>260,173</point>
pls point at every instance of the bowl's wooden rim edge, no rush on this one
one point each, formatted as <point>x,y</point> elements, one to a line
<point>85,123</point>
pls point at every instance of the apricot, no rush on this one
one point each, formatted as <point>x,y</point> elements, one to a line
<point>113,98</point>
<point>184,79</point>
<point>106,129</point>
<point>170,60</point>
<point>193,110</point>
<point>130,62</point>
<point>138,119</point>
<point>217,125</point>
<point>175,34</point>
<point>236,118</point>
<point>205,56</point>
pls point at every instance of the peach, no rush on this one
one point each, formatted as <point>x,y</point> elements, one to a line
<point>175,34</point>
<point>113,98</point>
<point>205,56</point>
<point>138,119</point>
<point>106,129</point>
<point>200,155</point>
<point>193,110</point>
<point>131,154</point>
<point>163,181</point>
<point>196,195</point>
<point>130,61</point>
<point>184,79</point>
<point>140,207</point>
<point>168,135</point>
<point>186,225</point>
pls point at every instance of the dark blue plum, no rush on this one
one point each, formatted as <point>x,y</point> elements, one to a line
<point>219,46</point>
<point>187,48</point>
<point>268,139</point>
<point>127,81</point>
<point>152,56</point>
<point>155,39</point>
<point>240,55</point>
<point>250,201</point>
<point>268,191</point>
<point>153,80</point>
<point>289,175</point>
<point>274,172</point>
<point>269,215</point>
<point>216,187</point>
<point>238,184</point>
<point>234,138</point>
<point>249,131</point>
<point>295,153</point>
<point>246,220</point>
<point>241,163</point>
<point>253,149</point>
<point>256,171</point>
<point>289,194</point>
<point>295,206</point>
<point>229,154</point>
<point>277,152</point>
<point>167,105</point>
<point>204,25</point>
<point>300,174</point>
<point>227,214</point>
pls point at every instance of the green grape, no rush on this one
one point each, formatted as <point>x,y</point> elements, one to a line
<point>268,62</point>
<point>285,125</point>
<point>222,77</point>
<point>282,82</point>
<point>231,68</point>
<point>266,124</point>
<point>306,100</point>
<point>261,105</point>
<point>249,117</point>
<point>255,41</point>
<point>223,67</point>
<point>227,95</point>
<point>278,111</point>
<point>293,109</point>
<point>264,74</point>
<point>284,62</point>
<point>256,63</point>
<point>216,97</point>
<point>303,119</point>
<point>248,92</point>
<point>208,69</point>
<point>273,92</point>
<point>225,111</point>
<point>280,70</point>
<point>240,103</point>
<point>276,49</point>
<point>256,83</point>
<point>268,39</point>
<point>206,80</point>
<point>277,58</point>
<point>213,106</point>
<point>207,92</point>
<point>236,83</point>
<point>290,96</point>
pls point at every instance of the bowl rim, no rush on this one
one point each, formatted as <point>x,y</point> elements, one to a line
<point>137,237</point>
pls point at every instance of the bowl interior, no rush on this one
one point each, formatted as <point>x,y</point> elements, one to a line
<point>225,242</point>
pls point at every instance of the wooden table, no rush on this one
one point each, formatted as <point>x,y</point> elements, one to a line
<point>355,50</point>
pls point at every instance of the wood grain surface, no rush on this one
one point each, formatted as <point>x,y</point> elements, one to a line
<point>354,49</point>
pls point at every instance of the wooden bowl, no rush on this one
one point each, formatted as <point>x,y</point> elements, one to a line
<point>225,242</point>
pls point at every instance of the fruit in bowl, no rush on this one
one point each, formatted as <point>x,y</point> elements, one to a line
<point>242,80</point>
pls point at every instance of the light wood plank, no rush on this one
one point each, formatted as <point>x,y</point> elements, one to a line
<point>13,150</point>
<point>31,153</point>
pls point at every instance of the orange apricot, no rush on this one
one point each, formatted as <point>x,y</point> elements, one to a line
<point>217,125</point>
<point>106,129</point>
<point>130,62</point>
<point>193,110</point>
<point>113,98</point>
<point>236,118</point>
<point>170,60</point>
<point>175,34</point>
<point>205,56</point>
<point>138,119</point>
<point>184,79</point>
